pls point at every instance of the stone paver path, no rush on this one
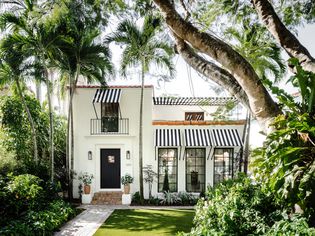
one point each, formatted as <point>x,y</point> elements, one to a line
<point>86,223</point>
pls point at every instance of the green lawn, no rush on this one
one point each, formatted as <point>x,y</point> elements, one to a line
<point>146,222</point>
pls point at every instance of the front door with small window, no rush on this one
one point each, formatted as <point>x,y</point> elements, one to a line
<point>110,168</point>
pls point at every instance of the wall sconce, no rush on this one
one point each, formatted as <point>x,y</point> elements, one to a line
<point>89,155</point>
<point>128,155</point>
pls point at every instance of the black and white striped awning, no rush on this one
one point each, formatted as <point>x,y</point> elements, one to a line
<point>107,96</point>
<point>197,138</point>
<point>193,101</point>
<point>226,138</point>
<point>167,138</point>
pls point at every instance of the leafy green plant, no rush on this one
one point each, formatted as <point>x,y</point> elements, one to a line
<point>187,199</point>
<point>86,178</point>
<point>126,179</point>
<point>170,199</point>
<point>42,222</point>
<point>235,207</point>
<point>24,192</point>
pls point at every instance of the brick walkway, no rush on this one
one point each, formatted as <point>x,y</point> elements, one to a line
<point>86,223</point>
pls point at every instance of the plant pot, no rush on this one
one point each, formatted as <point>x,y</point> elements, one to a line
<point>87,189</point>
<point>127,189</point>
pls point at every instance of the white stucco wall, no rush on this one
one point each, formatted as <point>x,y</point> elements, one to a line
<point>130,108</point>
<point>84,141</point>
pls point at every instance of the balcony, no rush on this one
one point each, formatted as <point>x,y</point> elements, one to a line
<point>109,126</point>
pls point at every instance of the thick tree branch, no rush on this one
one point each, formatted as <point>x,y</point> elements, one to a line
<point>261,103</point>
<point>212,71</point>
<point>284,37</point>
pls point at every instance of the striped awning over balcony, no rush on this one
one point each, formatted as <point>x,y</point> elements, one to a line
<point>197,138</point>
<point>167,138</point>
<point>226,138</point>
<point>107,96</point>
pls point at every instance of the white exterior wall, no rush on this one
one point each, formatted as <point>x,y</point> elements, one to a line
<point>175,112</point>
<point>84,141</point>
<point>130,108</point>
<point>209,168</point>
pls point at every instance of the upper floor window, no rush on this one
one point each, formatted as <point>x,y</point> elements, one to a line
<point>194,116</point>
<point>110,114</point>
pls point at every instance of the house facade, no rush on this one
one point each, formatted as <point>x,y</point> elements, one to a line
<point>181,141</point>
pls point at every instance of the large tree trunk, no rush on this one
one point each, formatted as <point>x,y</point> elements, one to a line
<point>262,105</point>
<point>284,37</point>
<point>140,135</point>
<point>29,116</point>
<point>212,71</point>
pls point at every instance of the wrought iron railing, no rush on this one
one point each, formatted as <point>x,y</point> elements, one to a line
<point>109,126</point>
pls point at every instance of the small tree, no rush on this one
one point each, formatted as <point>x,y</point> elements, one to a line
<point>149,176</point>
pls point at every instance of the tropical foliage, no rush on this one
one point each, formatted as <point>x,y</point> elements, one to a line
<point>239,207</point>
<point>30,206</point>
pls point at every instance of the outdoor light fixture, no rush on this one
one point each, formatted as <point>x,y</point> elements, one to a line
<point>90,155</point>
<point>128,155</point>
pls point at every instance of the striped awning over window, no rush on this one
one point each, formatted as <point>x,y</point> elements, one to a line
<point>107,96</point>
<point>167,138</point>
<point>197,138</point>
<point>226,138</point>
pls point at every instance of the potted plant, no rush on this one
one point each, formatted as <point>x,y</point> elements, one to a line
<point>126,180</point>
<point>86,178</point>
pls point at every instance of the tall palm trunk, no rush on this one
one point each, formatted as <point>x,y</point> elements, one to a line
<point>140,135</point>
<point>70,134</point>
<point>29,116</point>
<point>51,124</point>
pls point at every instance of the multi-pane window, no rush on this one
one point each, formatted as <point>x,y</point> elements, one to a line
<point>167,169</point>
<point>223,164</point>
<point>195,169</point>
<point>110,114</point>
<point>194,115</point>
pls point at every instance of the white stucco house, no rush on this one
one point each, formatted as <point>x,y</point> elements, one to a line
<point>179,136</point>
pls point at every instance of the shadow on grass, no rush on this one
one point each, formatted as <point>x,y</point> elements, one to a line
<point>150,222</point>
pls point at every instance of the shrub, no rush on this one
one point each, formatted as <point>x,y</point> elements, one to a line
<point>295,225</point>
<point>42,222</point>
<point>235,208</point>
<point>136,198</point>
<point>23,192</point>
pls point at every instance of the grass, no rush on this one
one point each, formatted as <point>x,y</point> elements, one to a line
<point>144,222</point>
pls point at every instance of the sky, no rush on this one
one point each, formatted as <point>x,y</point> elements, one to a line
<point>189,84</point>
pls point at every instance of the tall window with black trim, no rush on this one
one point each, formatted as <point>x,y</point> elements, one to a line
<point>223,164</point>
<point>110,115</point>
<point>167,169</point>
<point>195,169</point>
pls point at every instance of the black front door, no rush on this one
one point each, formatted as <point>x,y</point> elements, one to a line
<point>110,168</point>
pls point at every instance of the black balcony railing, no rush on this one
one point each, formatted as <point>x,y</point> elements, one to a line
<point>109,126</point>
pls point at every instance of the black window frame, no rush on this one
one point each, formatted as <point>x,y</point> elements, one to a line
<point>158,170</point>
<point>204,166</point>
<point>110,123</point>
<point>231,167</point>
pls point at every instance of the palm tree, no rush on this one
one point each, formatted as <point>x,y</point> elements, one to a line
<point>37,41</point>
<point>144,49</point>
<point>81,56</point>
<point>254,45</point>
